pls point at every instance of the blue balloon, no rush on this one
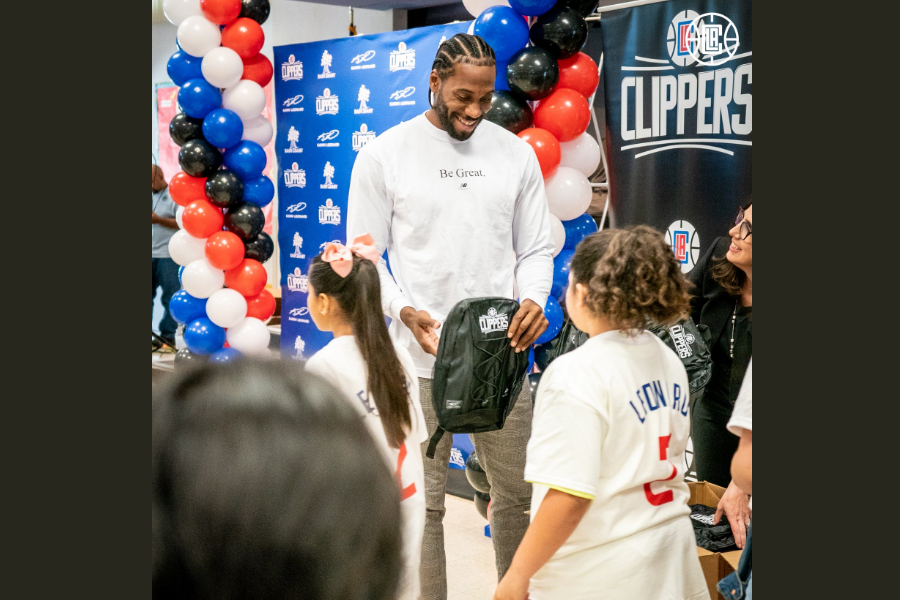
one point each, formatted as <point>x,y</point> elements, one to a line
<point>530,360</point>
<point>503,29</point>
<point>203,336</point>
<point>223,128</point>
<point>182,66</point>
<point>561,265</point>
<point>259,191</point>
<point>553,312</point>
<point>225,355</point>
<point>577,229</point>
<point>247,159</point>
<point>500,83</point>
<point>198,98</point>
<point>532,8</point>
<point>184,308</point>
<point>180,272</point>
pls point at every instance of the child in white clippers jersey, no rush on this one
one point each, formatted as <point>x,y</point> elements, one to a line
<point>609,513</point>
<point>378,377</point>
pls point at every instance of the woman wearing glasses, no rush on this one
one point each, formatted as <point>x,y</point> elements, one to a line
<point>722,299</point>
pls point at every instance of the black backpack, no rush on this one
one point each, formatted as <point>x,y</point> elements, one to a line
<point>477,374</point>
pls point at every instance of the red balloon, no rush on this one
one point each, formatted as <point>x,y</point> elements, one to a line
<point>564,113</point>
<point>261,306</point>
<point>184,189</point>
<point>244,36</point>
<point>201,219</point>
<point>545,146</point>
<point>579,73</point>
<point>258,69</point>
<point>248,278</point>
<point>221,12</point>
<point>224,250</point>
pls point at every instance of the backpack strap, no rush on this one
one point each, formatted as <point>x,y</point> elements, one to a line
<point>433,442</point>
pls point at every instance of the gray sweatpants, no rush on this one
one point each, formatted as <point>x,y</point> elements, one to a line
<point>502,455</point>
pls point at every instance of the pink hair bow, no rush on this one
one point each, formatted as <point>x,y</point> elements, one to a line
<point>340,257</point>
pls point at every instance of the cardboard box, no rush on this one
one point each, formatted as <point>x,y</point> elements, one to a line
<point>716,566</point>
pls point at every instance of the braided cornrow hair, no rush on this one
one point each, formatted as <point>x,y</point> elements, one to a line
<point>462,48</point>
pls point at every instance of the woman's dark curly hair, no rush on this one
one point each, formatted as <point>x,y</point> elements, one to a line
<point>632,278</point>
<point>731,278</point>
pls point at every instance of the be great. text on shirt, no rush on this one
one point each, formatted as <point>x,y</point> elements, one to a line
<point>460,173</point>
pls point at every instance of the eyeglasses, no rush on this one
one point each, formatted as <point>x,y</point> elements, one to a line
<point>746,229</point>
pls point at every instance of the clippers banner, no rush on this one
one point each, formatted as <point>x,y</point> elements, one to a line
<point>678,77</point>
<point>331,99</point>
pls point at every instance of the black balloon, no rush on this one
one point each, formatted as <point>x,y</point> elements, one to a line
<point>561,30</point>
<point>583,7</point>
<point>533,73</point>
<point>225,189</point>
<point>260,249</point>
<point>245,220</point>
<point>199,159</point>
<point>481,503</point>
<point>186,358</point>
<point>258,10</point>
<point>476,475</point>
<point>533,380</point>
<point>509,111</point>
<point>183,129</point>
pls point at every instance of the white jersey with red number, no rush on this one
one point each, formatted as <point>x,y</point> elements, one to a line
<point>611,423</point>
<point>341,363</point>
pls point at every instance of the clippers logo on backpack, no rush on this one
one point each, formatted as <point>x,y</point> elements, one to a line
<point>682,341</point>
<point>492,322</point>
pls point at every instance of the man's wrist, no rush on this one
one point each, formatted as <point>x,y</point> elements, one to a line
<point>398,307</point>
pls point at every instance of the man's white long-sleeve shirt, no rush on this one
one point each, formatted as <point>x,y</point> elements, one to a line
<point>458,219</point>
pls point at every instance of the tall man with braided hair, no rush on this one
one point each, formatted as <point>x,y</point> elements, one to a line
<point>459,204</point>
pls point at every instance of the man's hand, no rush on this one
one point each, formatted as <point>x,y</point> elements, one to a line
<point>511,588</point>
<point>422,326</point>
<point>736,506</point>
<point>527,325</point>
<point>154,218</point>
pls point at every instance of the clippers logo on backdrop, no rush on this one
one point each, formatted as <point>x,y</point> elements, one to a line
<point>290,105</point>
<point>493,322</point>
<point>328,174</point>
<point>456,457</point>
<point>329,214</point>
<point>326,66</point>
<point>292,70</point>
<point>363,98</point>
<point>324,140</point>
<point>685,243</point>
<point>682,341</point>
<point>293,137</point>
<point>326,104</point>
<point>297,243</point>
<point>705,105</point>
<point>397,98</point>
<point>299,347</point>
<point>297,281</point>
<point>361,61</point>
<point>403,59</point>
<point>295,176</point>
<point>362,137</point>
<point>299,315</point>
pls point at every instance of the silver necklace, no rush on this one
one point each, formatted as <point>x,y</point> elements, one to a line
<point>733,319</point>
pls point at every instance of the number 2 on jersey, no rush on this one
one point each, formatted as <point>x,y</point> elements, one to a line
<point>662,498</point>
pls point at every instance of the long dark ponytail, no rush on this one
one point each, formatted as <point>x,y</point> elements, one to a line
<point>359,296</point>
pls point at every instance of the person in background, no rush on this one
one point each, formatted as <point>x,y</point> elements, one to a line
<point>164,269</point>
<point>265,484</point>
<point>722,299</point>
<point>377,377</point>
<point>741,425</point>
<point>459,204</point>
<point>609,510</point>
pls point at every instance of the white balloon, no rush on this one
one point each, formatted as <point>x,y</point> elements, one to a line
<point>222,67</point>
<point>476,7</point>
<point>179,214</point>
<point>250,336</point>
<point>582,153</point>
<point>568,193</point>
<point>226,308</point>
<point>177,11</point>
<point>559,234</point>
<point>245,98</point>
<point>185,248</point>
<point>197,36</point>
<point>201,279</point>
<point>471,29</point>
<point>259,130</point>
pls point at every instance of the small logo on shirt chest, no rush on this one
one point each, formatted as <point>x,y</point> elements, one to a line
<point>460,173</point>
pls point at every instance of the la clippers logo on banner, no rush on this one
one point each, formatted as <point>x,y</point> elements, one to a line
<point>326,104</point>
<point>362,137</point>
<point>403,59</point>
<point>685,243</point>
<point>295,176</point>
<point>291,70</point>
<point>297,281</point>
